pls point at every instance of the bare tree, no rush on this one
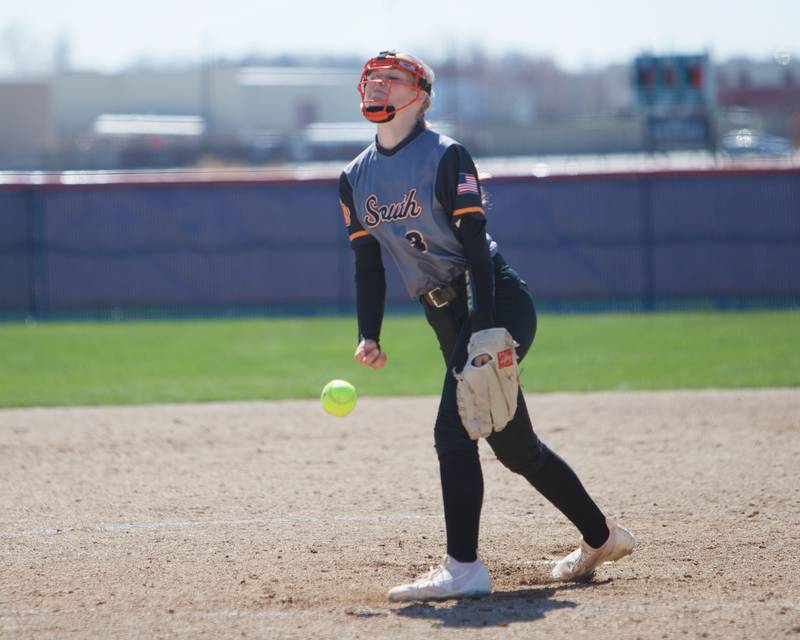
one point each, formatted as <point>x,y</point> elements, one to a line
<point>62,53</point>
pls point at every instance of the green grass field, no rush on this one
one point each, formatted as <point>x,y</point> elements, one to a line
<point>182,361</point>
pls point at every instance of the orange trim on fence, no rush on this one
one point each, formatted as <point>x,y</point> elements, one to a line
<point>461,212</point>
<point>358,234</point>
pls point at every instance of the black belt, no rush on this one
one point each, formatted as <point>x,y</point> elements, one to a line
<point>441,297</point>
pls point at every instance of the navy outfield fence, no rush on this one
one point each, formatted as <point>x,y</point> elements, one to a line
<point>178,243</point>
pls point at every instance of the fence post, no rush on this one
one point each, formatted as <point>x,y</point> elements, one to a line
<point>36,251</point>
<point>648,266</point>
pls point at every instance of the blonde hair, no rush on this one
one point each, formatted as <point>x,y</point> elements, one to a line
<point>429,76</point>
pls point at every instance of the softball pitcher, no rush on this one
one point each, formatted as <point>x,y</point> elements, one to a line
<point>415,195</point>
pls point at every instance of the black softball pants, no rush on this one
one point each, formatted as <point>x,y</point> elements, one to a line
<point>517,446</point>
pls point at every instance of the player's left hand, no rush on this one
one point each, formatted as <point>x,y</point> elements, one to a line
<point>482,359</point>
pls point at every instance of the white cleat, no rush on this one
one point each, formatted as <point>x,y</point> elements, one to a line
<point>451,579</point>
<point>582,562</point>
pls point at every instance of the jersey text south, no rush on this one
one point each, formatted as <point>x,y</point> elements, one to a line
<point>376,213</point>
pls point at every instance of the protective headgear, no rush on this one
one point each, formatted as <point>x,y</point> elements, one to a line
<point>382,110</point>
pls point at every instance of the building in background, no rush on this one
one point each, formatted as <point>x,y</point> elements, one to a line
<point>27,130</point>
<point>761,97</point>
<point>268,112</point>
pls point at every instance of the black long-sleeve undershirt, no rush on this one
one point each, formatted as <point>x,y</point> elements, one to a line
<point>471,232</point>
<point>370,290</point>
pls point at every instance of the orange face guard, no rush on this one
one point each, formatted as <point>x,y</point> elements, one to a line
<point>382,110</point>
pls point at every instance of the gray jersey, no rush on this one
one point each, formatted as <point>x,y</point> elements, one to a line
<point>408,200</point>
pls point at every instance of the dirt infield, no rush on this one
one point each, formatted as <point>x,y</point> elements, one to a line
<point>273,520</point>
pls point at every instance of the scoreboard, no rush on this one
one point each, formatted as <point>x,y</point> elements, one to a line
<point>680,80</point>
<point>676,94</point>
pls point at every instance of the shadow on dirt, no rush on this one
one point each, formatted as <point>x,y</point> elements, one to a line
<point>497,610</point>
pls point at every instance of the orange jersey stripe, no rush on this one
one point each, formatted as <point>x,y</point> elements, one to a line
<point>346,213</point>
<point>358,234</point>
<point>461,212</point>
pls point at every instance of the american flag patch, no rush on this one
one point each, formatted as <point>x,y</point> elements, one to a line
<point>467,183</point>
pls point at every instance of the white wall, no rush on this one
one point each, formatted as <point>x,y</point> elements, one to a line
<point>232,100</point>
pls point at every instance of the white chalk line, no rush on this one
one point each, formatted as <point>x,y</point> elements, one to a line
<point>581,609</point>
<point>685,606</point>
<point>27,613</point>
<point>277,520</point>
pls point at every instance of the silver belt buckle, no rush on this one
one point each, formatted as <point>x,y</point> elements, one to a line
<point>431,295</point>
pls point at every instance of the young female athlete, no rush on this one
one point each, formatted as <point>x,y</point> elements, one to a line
<point>415,195</point>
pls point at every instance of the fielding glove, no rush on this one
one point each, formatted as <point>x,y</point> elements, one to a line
<point>487,394</point>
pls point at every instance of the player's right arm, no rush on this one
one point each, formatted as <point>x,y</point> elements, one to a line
<point>370,282</point>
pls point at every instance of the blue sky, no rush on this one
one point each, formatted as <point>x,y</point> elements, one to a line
<point>108,35</point>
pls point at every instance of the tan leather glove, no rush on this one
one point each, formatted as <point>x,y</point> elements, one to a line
<point>487,394</point>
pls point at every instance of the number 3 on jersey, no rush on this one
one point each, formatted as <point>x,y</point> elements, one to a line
<point>417,241</point>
